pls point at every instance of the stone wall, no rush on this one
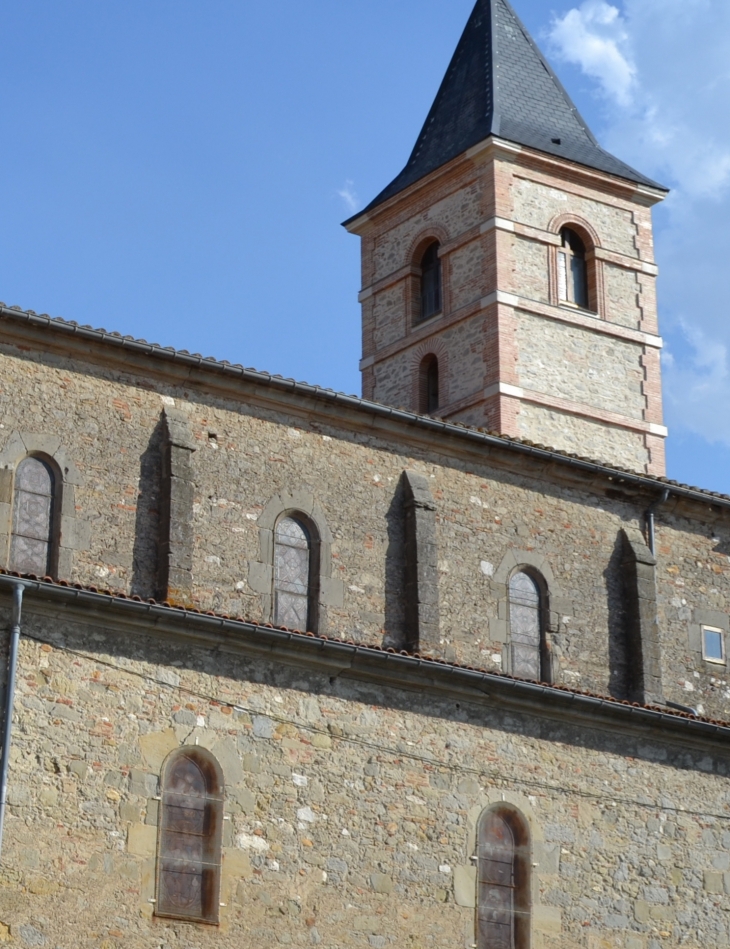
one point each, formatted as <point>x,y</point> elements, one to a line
<point>350,808</point>
<point>578,435</point>
<point>498,218</point>
<point>489,511</point>
<point>588,368</point>
<point>537,202</point>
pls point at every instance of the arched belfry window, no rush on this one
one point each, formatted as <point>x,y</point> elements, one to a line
<point>572,270</point>
<point>32,541</point>
<point>189,843</point>
<point>431,289</point>
<point>528,646</point>
<point>503,898</point>
<point>295,574</point>
<point>428,385</point>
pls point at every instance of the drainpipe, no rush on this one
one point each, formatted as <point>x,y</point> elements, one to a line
<point>683,708</point>
<point>650,519</point>
<point>9,702</point>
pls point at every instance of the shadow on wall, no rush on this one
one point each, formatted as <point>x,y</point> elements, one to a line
<point>620,673</point>
<point>394,629</point>
<point>145,555</point>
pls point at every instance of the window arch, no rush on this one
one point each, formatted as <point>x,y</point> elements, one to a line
<point>428,385</point>
<point>32,542</point>
<point>296,573</point>
<point>431,282</point>
<point>572,270</point>
<point>503,881</point>
<point>189,841</point>
<point>529,656</point>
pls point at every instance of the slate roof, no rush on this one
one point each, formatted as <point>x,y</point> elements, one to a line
<point>499,83</point>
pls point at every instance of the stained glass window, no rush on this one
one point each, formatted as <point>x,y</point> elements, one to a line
<point>572,270</point>
<point>525,626</point>
<point>292,574</point>
<point>31,544</point>
<point>190,839</point>
<point>503,891</point>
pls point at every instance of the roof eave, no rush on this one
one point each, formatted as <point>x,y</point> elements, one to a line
<point>386,667</point>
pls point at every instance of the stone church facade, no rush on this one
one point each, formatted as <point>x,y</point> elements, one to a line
<point>288,667</point>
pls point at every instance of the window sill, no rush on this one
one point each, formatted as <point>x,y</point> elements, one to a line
<point>567,305</point>
<point>417,324</point>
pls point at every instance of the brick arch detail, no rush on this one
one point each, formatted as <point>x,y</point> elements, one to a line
<point>589,236</point>
<point>583,228</point>
<point>433,232</point>
<point>429,347</point>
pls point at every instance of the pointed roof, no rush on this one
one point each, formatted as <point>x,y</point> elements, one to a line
<point>499,83</point>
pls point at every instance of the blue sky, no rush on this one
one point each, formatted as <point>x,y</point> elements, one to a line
<point>178,170</point>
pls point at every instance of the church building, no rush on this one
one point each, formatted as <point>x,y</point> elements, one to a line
<point>441,667</point>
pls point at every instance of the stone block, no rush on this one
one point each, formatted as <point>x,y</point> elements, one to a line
<point>381,883</point>
<point>153,811</point>
<point>714,881</point>
<point>547,919</point>
<point>705,617</point>
<point>498,631</point>
<point>252,764</point>
<point>331,592</point>
<point>260,577</point>
<point>236,865</point>
<point>547,858</point>
<point>143,784</point>
<point>142,840</point>
<point>229,759</point>
<point>156,746</point>
<point>465,885</point>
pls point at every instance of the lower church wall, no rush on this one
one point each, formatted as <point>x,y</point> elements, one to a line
<point>351,808</point>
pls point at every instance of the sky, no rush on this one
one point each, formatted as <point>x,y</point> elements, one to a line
<point>178,170</point>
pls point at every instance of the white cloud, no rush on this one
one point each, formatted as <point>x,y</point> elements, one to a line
<point>697,384</point>
<point>663,67</point>
<point>349,196</point>
<point>594,37</point>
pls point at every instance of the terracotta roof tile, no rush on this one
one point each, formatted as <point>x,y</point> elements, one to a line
<point>370,647</point>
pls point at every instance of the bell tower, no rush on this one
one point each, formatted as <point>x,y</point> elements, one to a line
<point>508,271</point>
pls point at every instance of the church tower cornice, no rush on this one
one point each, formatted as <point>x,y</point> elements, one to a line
<point>498,84</point>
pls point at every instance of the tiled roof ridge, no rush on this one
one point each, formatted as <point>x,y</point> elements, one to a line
<point>370,647</point>
<point>305,388</point>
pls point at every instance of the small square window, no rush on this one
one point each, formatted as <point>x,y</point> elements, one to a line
<point>713,644</point>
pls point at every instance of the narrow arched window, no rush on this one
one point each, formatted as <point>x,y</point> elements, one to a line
<point>31,545</point>
<point>294,575</point>
<point>431,281</point>
<point>428,385</point>
<point>189,848</point>
<point>503,898</point>
<point>529,658</point>
<point>572,270</point>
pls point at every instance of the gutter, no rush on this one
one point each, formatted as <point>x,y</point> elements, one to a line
<point>338,399</point>
<point>17,590</point>
<point>370,664</point>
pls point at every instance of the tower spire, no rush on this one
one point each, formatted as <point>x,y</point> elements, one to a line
<point>499,83</point>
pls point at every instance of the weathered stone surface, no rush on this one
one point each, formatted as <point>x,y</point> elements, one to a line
<point>465,885</point>
<point>382,820</point>
<point>156,746</point>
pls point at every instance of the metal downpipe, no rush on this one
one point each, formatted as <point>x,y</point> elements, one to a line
<point>650,529</point>
<point>9,702</point>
